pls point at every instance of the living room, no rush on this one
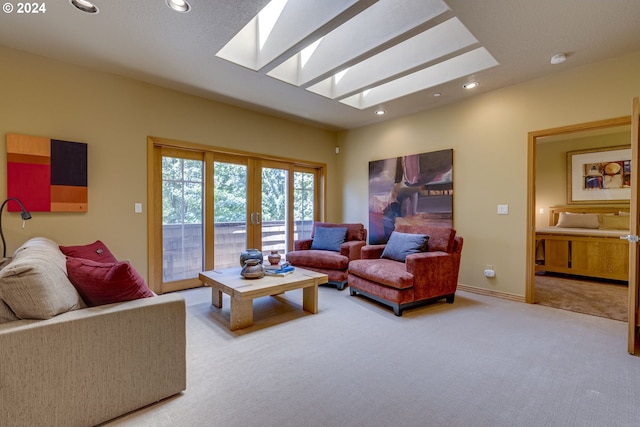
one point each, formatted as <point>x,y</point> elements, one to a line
<point>115,116</point>
<point>488,133</point>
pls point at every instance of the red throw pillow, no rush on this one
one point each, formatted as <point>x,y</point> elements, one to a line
<point>105,283</point>
<point>96,251</point>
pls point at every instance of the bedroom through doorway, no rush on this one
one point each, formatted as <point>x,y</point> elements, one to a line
<point>583,294</point>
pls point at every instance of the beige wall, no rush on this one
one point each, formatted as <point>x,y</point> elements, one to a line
<point>551,168</point>
<point>114,116</point>
<point>488,134</point>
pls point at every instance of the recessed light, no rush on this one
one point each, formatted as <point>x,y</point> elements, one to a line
<point>471,85</point>
<point>179,5</point>
<point>84,6</point>
<point>559,58</point>
<point>436,94</point>
<point>381,112</point>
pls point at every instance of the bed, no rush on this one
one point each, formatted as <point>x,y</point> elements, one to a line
<point>585,241</point>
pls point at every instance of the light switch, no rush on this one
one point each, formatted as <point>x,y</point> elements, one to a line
<point>137,208</point>
<point>503,209</point>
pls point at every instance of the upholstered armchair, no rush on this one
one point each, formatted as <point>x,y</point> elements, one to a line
<point>330,250</point>
<point>411,269</point>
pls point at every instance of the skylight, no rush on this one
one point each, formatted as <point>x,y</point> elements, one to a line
<point>360,53</point>
<point>267,20</point>
<point>306,53</point>
<point>339,76</point>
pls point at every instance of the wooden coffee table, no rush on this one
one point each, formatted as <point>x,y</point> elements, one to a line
<point>242,291</point>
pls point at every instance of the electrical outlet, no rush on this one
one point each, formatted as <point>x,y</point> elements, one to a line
<point>489,271</point>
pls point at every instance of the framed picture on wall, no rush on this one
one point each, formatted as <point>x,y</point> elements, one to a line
<point>599,175</point>
<point>411,189</point>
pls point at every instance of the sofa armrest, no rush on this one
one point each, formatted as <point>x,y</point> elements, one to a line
<point>352,249</point>
<point>372,251</point>
<point>87,366</point>
<point>302,244</point>
<point>435,273</point>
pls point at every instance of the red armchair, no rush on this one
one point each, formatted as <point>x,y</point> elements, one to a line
<point>334,264</point>
<point>424,277</point>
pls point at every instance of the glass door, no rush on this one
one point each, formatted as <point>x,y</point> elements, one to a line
<point>230,208</point>
<point>182,218</point>
<point>305,200</point>
<point>273,215</point>
<point>288,205</point>
<point>207,206</point>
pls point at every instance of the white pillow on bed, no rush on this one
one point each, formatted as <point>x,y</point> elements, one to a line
<point>575,220</point>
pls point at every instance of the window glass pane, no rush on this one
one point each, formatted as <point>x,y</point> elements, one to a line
<point>193,170</point>
<point>230,213</point>
<point>303,204</point>
<point>182,222</point>
<point>274,210</point>
<point>171,168</point>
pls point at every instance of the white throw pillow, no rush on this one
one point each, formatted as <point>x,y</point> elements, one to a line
<point>35,284</point>
<point>571,220</point>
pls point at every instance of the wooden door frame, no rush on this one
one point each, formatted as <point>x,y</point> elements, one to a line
<point>531,190</point>
<point>633,324</point>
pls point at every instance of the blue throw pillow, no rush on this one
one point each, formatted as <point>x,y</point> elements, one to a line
<point>402,244</point>
<point>329,238</point>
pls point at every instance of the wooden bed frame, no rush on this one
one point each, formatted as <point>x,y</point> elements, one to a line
<point>598,256</point>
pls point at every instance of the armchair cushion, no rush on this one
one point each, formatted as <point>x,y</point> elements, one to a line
<point>329,238</point>
<point>402,244</point>
<point>318,258</point>
<point>440,238</point>
<point>384,271</point>
<point>372,251</point>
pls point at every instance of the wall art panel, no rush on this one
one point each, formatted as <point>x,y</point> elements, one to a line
<point>47,175</point>
<point>413,188</point>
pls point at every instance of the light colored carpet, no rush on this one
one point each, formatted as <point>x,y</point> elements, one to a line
<point>598,298</point>
<point>481,361</point>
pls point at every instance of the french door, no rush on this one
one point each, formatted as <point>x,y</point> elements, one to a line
<point>209,206</point>
<point>261,204</point>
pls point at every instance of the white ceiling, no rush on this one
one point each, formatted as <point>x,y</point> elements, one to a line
<point>146,40</point>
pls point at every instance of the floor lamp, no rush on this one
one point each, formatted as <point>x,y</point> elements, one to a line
<point>25,216</point>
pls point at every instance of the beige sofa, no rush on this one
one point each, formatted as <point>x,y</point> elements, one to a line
<point>83,366</point>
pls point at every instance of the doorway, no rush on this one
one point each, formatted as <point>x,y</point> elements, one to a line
<point>633,326</point>
<point>575,293</point>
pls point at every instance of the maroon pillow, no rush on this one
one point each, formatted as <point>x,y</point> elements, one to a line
<point>104,283</point>
<point>96,251</point>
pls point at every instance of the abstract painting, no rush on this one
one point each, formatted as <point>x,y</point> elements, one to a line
<point>414,188</point>
<point>47,175</point>
<point>599,175</point>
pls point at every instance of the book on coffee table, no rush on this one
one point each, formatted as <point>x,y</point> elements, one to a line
<point>282,271</point>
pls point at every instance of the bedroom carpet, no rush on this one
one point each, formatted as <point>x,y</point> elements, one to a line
<point>597,298</point>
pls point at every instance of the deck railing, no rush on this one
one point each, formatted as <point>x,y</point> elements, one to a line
<point>183,245</point>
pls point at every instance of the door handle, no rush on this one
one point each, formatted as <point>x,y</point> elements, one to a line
<point>632,238</point>
<point>255,218</point>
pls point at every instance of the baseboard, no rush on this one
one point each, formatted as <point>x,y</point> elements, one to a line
<point>489,292</point>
